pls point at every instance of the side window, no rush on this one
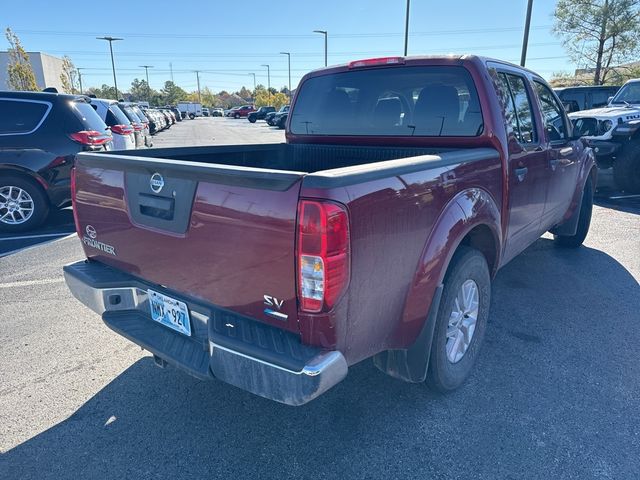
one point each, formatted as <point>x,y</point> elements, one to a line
<point>552,113</point>
<point>518,110</point>
<point>20,117</point>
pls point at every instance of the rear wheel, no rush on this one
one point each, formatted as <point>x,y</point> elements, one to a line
<point>584,221</point>
<point>252,119</point>
<point>236,116</point>
<point>626,168</point>
<point>23,204</point>
<point>461,321</point>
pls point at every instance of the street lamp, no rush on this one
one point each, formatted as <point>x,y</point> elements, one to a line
<point>268,81</point>
<point>146,72</point>
<point>80,79</point>
<point>525,40</point>
<point>406,30</point>
<point>288,54</point>
<point>323,32</point>
<point>198,79</point>
<point>113,65</point>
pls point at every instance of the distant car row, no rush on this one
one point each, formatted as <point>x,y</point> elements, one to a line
<point>40,134</point>
<point>268,114</point>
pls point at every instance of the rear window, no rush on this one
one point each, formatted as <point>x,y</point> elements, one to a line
<point>88,117</point>
<point>115,116</point>
<point>131,114</point>
<point>20,117</point>
<point>429,101</point>
<point>139,113</point>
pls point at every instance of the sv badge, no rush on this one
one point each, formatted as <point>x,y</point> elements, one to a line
<point>274,306</point>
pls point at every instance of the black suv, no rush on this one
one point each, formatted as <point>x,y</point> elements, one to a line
<point>260,114</point>
<point>40,134</point>
<point>575,99</point>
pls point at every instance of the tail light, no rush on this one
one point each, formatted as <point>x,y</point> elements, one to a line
<point>73,199</point>
<point>323,254</point>
<point>137,127</point>
<point>374,62</point>
<point>90,137</point>
<point>122,129</point>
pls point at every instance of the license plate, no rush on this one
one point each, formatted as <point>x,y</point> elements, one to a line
<point>169,312</point>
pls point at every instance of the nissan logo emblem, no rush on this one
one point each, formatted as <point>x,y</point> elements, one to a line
<point>156,183</point>
<point>91,232</point>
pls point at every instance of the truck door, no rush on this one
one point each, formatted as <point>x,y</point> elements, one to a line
<point>563,156</point>
<point>527,165</point>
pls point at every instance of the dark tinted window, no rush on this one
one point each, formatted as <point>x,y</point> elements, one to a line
<point>574,99</point>
<point>115,116</point>
<point>20,116</point>
<point>599,98</point>
<point>629,93</point>
<point>130,113</point>
<point>396,101</point>
<point>140,113</point>
<point>517,106</point>
<point>552,113</point>
<point>88,117</point>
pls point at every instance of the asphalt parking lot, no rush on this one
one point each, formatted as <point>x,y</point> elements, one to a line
<point>556,393</point>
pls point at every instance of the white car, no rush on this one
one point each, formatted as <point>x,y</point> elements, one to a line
<point>614,134</point>
<point>121,128</point>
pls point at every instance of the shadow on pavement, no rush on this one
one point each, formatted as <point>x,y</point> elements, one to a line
<point>555,395</point>
<point>59,224</point>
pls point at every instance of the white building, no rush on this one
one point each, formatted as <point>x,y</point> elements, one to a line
<point>46,68</point>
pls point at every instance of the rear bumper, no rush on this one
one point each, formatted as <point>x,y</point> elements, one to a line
<point>238,350</point>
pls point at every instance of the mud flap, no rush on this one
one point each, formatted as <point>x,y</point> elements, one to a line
<point>411,364</point>
<point>570,226</point>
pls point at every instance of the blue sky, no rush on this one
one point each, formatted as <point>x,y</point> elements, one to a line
<point>228,39</point>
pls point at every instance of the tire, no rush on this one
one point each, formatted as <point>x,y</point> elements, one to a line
<point>33,196</point>
<point>626,168</point>
<point>192,116</point>
<point>468,268</point>
<point>252,119</point>
<point>584,220</point>
<point>236,116</point>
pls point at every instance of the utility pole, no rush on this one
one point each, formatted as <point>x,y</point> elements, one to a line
<point>198,79</point>
<point>268,82</point>
<point>80,80</point>
<point>525,40</point>
<point>113,65</point>
<point>325,33</point>
<point>146,71</point>
<point>171,70</point>
<point>406,30</point>
<point>288,54</point>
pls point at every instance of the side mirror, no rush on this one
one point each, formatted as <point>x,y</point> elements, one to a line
<point>609,100</point>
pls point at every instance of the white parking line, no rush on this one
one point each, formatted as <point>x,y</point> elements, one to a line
<point>28,283</point>
<point>28,237</point>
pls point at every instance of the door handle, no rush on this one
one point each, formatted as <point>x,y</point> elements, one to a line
<point>565,152</point>
<point>521,173</point>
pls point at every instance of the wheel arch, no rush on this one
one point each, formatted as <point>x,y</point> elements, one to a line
<point>472,218</point>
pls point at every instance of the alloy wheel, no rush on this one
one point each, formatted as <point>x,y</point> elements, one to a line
<point>16,205</point>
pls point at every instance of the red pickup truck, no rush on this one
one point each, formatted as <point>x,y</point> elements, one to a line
<point>404,185</point>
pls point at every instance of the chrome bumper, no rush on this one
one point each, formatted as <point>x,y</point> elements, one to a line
<point>122,302</point>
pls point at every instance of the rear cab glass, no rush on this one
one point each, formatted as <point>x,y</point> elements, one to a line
<point>21,116</point>
<point>87,116</point>
<point>432,101</point>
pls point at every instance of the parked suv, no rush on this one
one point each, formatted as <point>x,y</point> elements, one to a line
<point>40,134</point>
<point>260,114</point>
<point>270,117</point>
<point>243,111</point>
<point>121,127</point>
<point>575,99</point>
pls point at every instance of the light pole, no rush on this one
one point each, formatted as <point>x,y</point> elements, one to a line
<point>268,81</point>
<point>525,40</point>
<point>146,72</point>
<point>323,32</point>
<point>198,79</point>
<point>113,65</point>
<point>288,54</point>
<point>406,30</point>
<point>80,80</point>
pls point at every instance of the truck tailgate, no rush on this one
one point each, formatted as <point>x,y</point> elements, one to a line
<point>222,234</point>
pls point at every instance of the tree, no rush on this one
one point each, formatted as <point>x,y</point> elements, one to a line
<point>172,93</point>
<point>245,94</point>
<point>277,99</point>
<point>19,71</point>
<point>102,92</point>
<point>69,76</point>
<point>599,34</point>
<point>140,91</point>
